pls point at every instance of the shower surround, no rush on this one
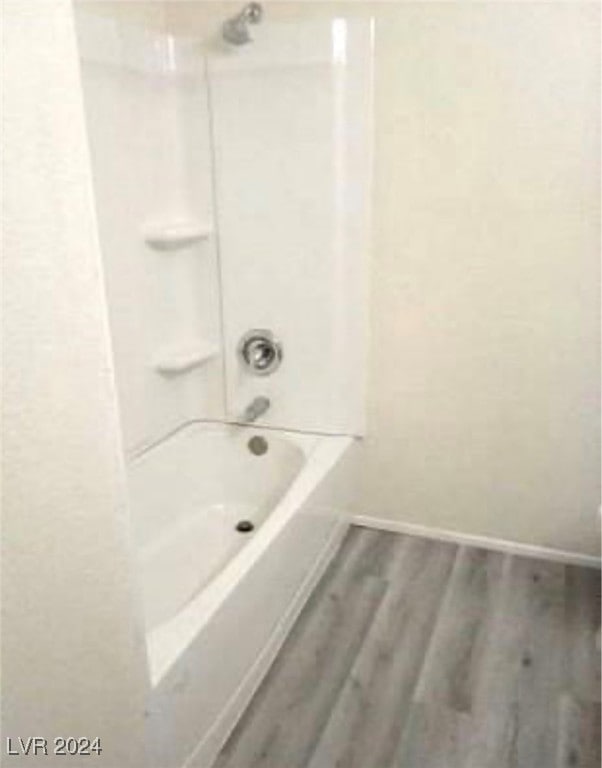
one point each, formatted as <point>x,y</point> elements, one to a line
<point>233,189</point>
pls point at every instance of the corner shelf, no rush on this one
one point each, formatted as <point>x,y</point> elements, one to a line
<point>175,235</point>
<point>184,358</point>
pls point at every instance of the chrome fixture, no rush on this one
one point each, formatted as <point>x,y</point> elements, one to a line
<point>260,352</point>
<point>236,29</point>
<point>256,408</point>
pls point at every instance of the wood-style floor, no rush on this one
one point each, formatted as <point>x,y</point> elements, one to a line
<point>421,654</point>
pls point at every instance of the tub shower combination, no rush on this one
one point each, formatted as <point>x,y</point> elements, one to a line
<point>225,571</point>
<point>257,517</point>
<point>241,441</point>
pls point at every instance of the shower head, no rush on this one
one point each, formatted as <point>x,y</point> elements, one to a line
<point>236,29</point>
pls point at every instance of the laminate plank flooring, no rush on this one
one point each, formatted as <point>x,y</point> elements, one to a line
<point>283,721</point>
<point>364,726</point>
<point>413,653</point>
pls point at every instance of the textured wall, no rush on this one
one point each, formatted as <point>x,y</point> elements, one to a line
<point>484,396</point>
<point>72,653</point>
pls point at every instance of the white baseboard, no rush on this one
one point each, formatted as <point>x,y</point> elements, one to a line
<point>205,753</point>
<point>485,542</point>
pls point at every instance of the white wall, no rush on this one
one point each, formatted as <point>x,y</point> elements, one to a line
<point>149,14</point>
<point>484,395</point>
<point>72,650</point>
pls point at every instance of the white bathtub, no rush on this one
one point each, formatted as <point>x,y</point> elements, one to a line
<point>218,603</point>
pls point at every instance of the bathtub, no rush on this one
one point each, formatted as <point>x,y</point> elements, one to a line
<point>218,602</point>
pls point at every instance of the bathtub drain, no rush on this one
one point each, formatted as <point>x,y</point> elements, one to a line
<point>244,526</point>
<point>258,445</point>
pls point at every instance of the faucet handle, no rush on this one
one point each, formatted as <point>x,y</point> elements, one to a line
<point>260,352</point>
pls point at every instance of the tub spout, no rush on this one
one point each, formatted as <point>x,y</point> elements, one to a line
<point>256,408</point>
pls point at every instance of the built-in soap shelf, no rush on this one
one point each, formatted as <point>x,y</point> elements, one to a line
<point>181,359</point>
<point>174,235</point>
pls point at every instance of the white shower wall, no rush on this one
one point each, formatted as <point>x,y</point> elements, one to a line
<point>267,150</point>
<point>148,126</point>
<point>293,138</point>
